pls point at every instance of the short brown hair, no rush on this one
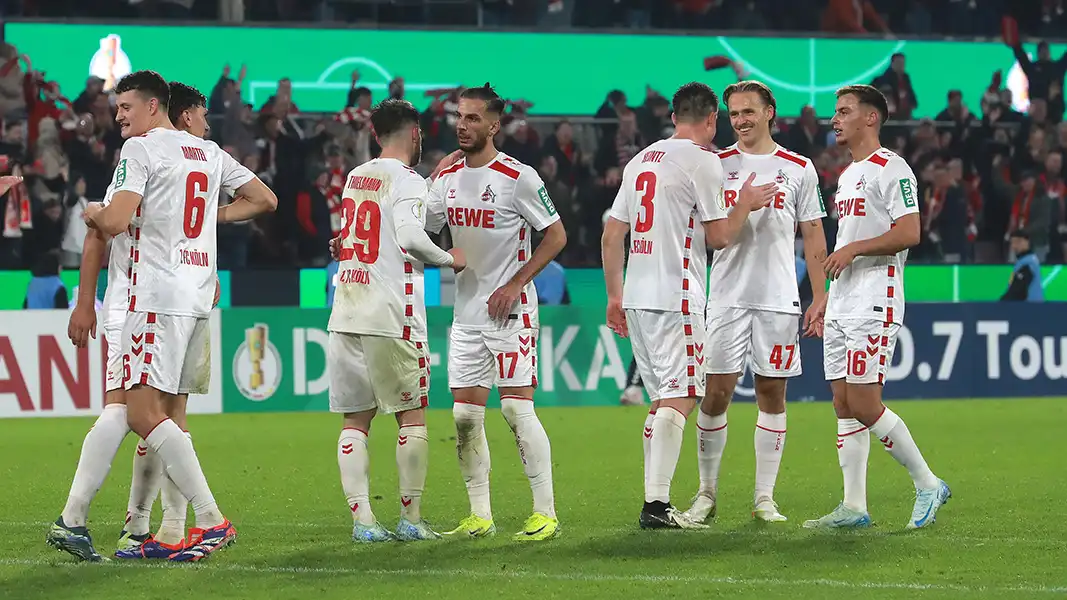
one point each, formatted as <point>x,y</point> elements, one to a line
<point>869,95</point>
<point>694,101</point>
<point>753,86</point>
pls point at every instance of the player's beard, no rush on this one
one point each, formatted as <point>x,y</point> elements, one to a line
<point>477,144</point>
<point>416,154</point>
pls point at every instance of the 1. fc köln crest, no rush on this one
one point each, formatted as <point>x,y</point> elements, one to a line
<point>489,195</point>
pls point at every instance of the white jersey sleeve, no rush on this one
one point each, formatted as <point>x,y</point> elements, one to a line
<point>436,211</point>
<point>810,206</point>
<point>707,184</point>
<point>533,202</point>
<point>618,206</point>
<point>899,187</point>
<point>233,173</point>
<point>131,174</point>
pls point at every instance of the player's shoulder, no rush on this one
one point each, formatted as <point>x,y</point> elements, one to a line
<point>889,163</point>
<point>510,168</point>
<point>794,160</point>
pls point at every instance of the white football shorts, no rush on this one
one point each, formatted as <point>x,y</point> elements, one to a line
<point>170,353</point>
<point>669,350</point>
<point>370,372</point>
<point>858,350</point>
<point>768,341</point>
<point>506,358</point>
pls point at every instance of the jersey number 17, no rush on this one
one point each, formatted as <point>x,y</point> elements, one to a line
<point>365,223</point>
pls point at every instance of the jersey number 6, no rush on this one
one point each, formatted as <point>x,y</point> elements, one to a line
<point>195,204</point>
<point>646,186</point>
<point>367,221</point>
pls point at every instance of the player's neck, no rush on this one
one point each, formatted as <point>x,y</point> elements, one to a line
<point>684,132</point>
<point>482,157</point>
<point>396,154</point>
<point>864,148</point>
<point>763,146</point>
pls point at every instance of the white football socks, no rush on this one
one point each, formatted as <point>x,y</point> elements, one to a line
<point>183,467</point>
<point>473,450</point>
<point>646,442</point>
<point>534,450</point>
<point>668,427</point>
<point>98,451</point>
<point>144,487</point>
<point>853,448</point>
<point>354,462</point>
<point>175,510</point>
<point>711,442</point>
<point>894,435</point>
<point>769,441</point>
<point>412,452</point>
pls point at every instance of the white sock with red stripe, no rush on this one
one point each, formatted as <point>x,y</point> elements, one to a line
<point>894,435</point>
<point>646,441</point>
<point>853,448</point>
<point>183,467</point>
<point>711,442</point>
<point>354,462</point>
<point>668,428</point>
<point>473,450</point>
<point>144,487</point>
<point>769,441</point>
<point>534,450</point>
<point>412,450</point>
<point>175,509</point>
<point>98,451</point>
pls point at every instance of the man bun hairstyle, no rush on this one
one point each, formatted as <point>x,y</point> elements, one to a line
<point>493,102</point>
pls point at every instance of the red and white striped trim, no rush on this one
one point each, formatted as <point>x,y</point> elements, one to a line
<point>135,257</point>
<point>409,298</point>
<point>687,318</point>
<point>424,377</point>
<point>890,293</point>
<point>524,302</point>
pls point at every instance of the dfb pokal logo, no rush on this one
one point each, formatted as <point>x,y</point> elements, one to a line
<point>257,366</point>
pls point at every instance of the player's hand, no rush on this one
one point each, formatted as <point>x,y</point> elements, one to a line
<point>756,197</point>
<point>502,301</point>
<point>82,325</point>
<point>839,261</point>
<point>813,319</point>
<point>7,182</point>
<point>459,259</point>
<point>617,318</point>
<point>92,209</point>
<point>335,248</point>
<point>218,292</point>
<point>446,162</point>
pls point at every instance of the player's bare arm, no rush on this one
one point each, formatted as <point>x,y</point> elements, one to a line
<point>504,299</point>
<point>905,233</point>
<point>720,233</point>
<point>252,199</point>
<point>814,256</point>
<point>114,218</point>
<point>82,323</point>
<point>612,250</point>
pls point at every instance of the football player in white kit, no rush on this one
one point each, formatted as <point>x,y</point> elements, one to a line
<point>753,300</point>
<point>670,203</point>
<point>172,279</point>
<point>878,222</point>
<point>377,355</point>
<point>492,204</point>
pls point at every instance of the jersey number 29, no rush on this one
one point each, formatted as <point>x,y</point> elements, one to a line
<point>646,186</point>
<point>367,221</point>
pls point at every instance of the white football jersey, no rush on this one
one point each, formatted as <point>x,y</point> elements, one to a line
<point>758,270</point>
<point>380,288</point>
<point>872,194</point>
<point>668,190</point>
<point>490,211</point>
<point>179,177</point>
<point>119,263</point>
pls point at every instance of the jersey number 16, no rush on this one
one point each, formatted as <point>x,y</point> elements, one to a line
<point>366,224</point>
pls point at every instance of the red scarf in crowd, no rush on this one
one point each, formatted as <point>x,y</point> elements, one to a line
<point>1020,209</point>
<point>333,191</point>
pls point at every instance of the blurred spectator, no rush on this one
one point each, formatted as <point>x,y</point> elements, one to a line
<point>1040,73</point>
<point>615,152</point>
<point>75,229</point>
<point>852,16</point>
<point>46,289</point>
<point>806,136</point>
<point>565,150</point>
<point>613,104</point>
<point>956,112</point>
<point>520,143</point>
<point>94,86</point>
<point>901,95</point>
<point>1031,210</point>
<point>1026,284</point>
<point>944,218</point>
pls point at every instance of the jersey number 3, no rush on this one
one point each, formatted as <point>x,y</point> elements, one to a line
<point>195,204</point>
<point>646,186</point>
<point>366,224</point>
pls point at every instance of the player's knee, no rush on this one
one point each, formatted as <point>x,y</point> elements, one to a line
<point>408,418</point>
<point>770,394</point>
<point>717,398</point>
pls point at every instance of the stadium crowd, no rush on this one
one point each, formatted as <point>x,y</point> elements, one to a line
<point>985,169</point>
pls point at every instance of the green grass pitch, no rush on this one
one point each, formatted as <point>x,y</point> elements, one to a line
<point>275,476</point>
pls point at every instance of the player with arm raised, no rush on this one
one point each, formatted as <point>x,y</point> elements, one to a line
<point>670,202</point>
<point>172,284</point>
<point>878,223</point>
<point>187,110</point>
<point>753,300</point>
<point>491,204</point>
<point>377,355</point>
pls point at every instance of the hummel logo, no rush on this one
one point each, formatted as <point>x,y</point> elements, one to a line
<point>733,176</point>
<point>401,440</point>
<point>888,443</point>
<point>142,450</point>
<point>137,338</point>
<point>405,501</point>
<point>648,432</point>
<point>346,449</point>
